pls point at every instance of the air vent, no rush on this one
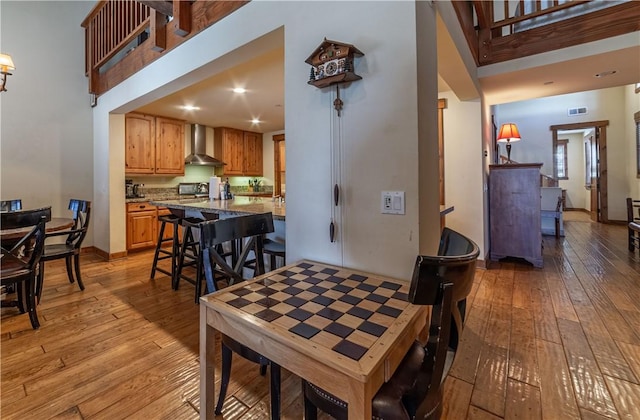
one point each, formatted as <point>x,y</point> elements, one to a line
<point>572,112</point>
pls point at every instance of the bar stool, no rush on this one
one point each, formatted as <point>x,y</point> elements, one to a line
<point>162,253</point>
<point>189,255</point>
<point>274,249</point>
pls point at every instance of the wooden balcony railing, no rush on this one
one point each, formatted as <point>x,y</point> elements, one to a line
<point>502,30</point>
<point>124,36</point>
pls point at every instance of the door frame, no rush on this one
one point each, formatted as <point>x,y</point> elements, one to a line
<point>600,185</point>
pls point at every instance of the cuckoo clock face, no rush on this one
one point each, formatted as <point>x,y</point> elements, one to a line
<point>331,67</point>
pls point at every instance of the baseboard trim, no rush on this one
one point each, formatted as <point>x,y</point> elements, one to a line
<point>109,257</point>
<point>576,209</point>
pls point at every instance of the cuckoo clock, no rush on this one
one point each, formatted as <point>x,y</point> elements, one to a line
<point>331,63</point>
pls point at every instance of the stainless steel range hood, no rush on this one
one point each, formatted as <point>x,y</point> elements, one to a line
<point>198,154</point>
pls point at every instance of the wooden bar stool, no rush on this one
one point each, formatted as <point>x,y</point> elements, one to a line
<point>162,253</point>
<point>189,255</point>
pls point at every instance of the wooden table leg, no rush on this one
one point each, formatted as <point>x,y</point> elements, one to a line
<point>207,367</point>
<point>360,400</point>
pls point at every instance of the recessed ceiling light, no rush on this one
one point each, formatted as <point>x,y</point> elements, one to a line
<point>239,90</point>
<point>255,121</point>
<point>606,73</point>
<point>190,108</point>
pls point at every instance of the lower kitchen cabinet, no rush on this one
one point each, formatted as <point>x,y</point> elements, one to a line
<point>142,226</point>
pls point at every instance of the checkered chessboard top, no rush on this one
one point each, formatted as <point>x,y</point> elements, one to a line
<point>335,308</point>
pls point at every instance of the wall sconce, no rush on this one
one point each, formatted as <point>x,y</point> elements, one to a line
<point>508,134</point>
<point>6,65</point>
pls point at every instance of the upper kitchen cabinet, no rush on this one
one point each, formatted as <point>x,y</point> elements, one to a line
<point>140,144</point>
<point>169,146</point>
<point>153,145</point>
<point>241,151</point>
<point>252,154</point>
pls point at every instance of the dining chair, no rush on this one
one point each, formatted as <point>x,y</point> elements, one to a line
<point>414,390</point>
<point>250,230</point>
<point>70,249</point>
<point>11,205</point>
<point>20,261</point>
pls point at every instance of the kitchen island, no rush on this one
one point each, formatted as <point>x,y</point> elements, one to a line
<point>226,208</point>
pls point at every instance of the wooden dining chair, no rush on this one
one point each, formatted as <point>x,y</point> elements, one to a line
<point>250,230</point>
<point>19,264</point>
<point>70,249</point>
<point>414,390</point>
<point>11,205</point>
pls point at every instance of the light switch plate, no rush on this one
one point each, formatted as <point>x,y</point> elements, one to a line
<point>392,202</point>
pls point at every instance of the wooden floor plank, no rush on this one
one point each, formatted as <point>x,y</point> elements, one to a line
<point>588,383</point>
<point>556,387</point>
<point>523,401</point>
<point>457,396</point>
<point>626,396</point>
<point>560,342</point>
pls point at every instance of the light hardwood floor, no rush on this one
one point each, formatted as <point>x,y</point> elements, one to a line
<point>560,342</point>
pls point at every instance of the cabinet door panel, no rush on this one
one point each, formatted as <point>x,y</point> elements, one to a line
<point>252,154</point>
<point>141,229</point>
<point>232,143</point>
<point>139,144</point>
<point>169,146</point>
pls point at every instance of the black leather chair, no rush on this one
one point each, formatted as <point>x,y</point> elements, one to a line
<point>70,249</point>
<point>456,263</point>
<point>414,390</point>
<point>250,230</point>
<point>19,264</point>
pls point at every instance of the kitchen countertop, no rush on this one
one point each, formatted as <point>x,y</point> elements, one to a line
<point>235,206</point>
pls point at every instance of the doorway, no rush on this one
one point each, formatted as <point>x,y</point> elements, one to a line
<point>595,168</point>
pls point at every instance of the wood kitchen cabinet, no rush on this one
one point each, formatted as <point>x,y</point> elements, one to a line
<point>514,206</point>
<point>153,145</point>
<point>241,151</point>
<point>279,163</point>
<point>142,226</point>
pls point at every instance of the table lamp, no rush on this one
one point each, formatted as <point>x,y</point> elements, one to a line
<point>508,134</point>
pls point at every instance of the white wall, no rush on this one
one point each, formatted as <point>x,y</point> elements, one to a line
<point>385,145</point>
<point>463,167</point>
<point>46,155</point>
<point>535,116</point>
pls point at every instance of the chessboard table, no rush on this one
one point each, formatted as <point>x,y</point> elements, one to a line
<point>343,330</point>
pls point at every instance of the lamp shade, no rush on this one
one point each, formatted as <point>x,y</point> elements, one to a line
<point>6,63</point>
<point>508,133</point>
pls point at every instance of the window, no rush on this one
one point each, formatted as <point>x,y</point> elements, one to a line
<point>561,159</point>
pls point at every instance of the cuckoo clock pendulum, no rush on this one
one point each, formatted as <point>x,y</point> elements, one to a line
<point>332,64</point>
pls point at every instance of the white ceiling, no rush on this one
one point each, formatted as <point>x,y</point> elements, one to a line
<point>261,76</point>
<point>569,70</point>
